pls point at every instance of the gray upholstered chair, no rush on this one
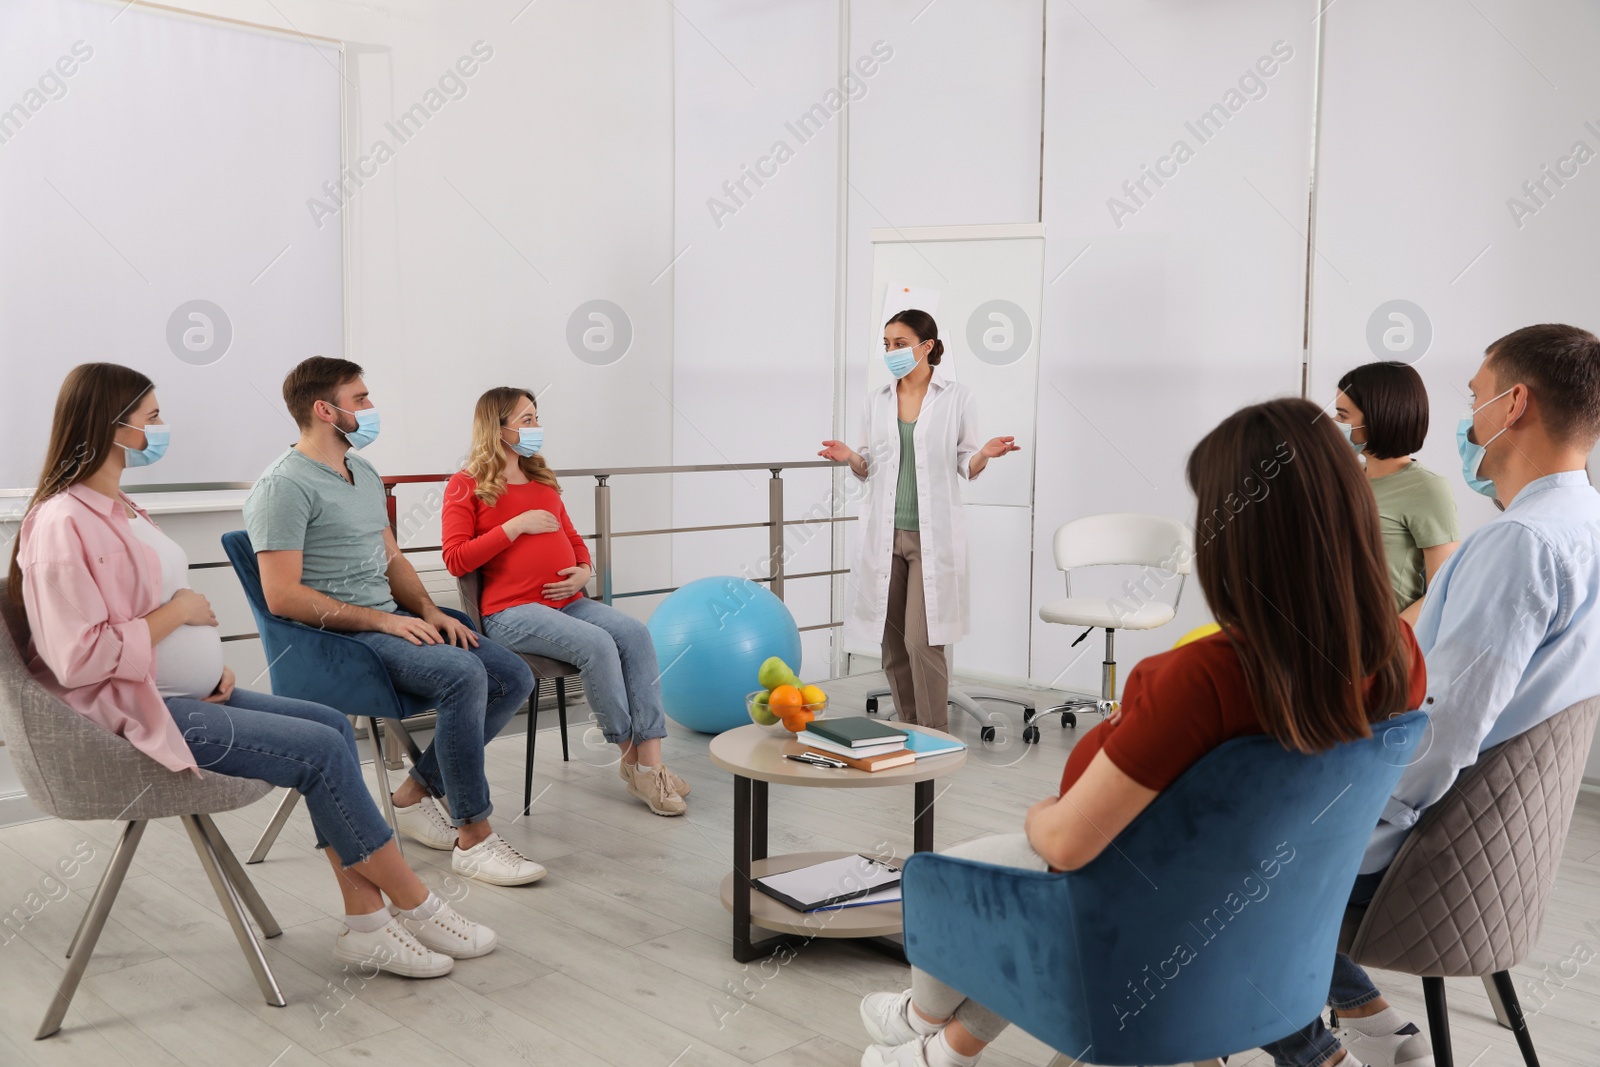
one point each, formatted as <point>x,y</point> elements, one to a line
<point>1466,895</point>
<point>74,769</point>
<point>470,586</point>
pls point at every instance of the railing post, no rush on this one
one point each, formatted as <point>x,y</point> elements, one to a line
<point>775,532</point>
<point>602,535</point>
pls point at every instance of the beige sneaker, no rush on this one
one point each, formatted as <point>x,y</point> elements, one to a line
<point>655,789</point>
<point>679,786</point>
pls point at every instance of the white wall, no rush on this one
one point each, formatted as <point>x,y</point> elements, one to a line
<point>1160,322</point>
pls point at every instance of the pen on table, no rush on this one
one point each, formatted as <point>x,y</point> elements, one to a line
<point>817,761</point>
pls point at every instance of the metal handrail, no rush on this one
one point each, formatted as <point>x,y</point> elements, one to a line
<point>604,535</point>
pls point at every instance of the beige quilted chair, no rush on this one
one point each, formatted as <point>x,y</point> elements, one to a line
<point>1466,895</point>
<point>74,769</point>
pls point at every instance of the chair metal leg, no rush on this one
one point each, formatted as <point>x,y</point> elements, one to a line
<point>94,921</point>
<point>383,780</point>
<point>241,881</point>
<point>561,710</point>
<point>533,734</point>
<point>1501,1016</point>
<point>229,897</point>
<point>398,728</point>
<point>279,819</point>
<point>1438,1021</point>
<point>1518,1021</point>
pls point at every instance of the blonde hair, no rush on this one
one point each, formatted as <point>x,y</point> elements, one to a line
<point>485,461</point>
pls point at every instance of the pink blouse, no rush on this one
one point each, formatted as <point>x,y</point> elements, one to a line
<point>87,583</point>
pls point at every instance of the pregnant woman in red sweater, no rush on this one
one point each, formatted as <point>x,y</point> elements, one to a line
<point>503,517</point>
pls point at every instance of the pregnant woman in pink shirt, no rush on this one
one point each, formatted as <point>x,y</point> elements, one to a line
<point>120,637</point>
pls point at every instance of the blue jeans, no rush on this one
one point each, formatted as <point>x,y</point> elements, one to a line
<point>612,651</point>
<point>475,692</point>
<point>294,743</point>
<point>1350,988</point>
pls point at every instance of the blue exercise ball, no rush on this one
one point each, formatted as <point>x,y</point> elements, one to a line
<point>711,637</point>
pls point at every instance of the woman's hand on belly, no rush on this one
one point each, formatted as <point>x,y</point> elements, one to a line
<point>224,690</point>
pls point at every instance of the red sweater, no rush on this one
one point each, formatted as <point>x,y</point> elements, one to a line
<point>1179,705</point>
<point>513,572</point>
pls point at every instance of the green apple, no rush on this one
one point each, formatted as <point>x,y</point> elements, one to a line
<point>774,672</point>
<point>760,712</point>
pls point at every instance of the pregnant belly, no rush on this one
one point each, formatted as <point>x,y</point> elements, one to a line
<point>189,662</point>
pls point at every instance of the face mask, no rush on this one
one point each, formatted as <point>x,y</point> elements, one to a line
<point>1346,429</point>
<point>1471,454</point>
<point>900,361</point>
<point>155,445</point>
<point>366,431</point>
<point>530,439</point>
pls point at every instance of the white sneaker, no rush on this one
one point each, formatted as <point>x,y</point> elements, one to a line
<point>655,789</point>
<point>391,949</point>
<point>493,860</point>
<point>424,822</point>
<point>1406,1047</point>
<point>887,1018</point>
<point>449,933</point>
<point>907,1054</point>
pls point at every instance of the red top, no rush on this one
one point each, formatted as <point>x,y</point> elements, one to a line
<point>1179,705</point>
<point>513,572</point>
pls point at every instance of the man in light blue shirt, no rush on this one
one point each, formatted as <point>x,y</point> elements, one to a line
<point>1510,629</point>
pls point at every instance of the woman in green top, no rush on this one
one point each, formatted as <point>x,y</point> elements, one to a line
<point>1382,408</point>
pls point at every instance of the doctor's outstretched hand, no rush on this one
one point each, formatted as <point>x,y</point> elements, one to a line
<point>840,452</point>
<point>993,449</point>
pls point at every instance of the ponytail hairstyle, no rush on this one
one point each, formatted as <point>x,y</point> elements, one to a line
<point>486,460</point>
<point>921,323</point>
<point>1288,552</point>
<point>94,398</point>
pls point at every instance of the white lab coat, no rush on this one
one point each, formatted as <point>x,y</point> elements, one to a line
<point>945,439</point>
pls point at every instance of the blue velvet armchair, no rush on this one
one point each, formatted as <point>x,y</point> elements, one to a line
<point>1206,928</point>
<point>327,667</point>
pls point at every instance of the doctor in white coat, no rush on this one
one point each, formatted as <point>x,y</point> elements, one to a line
<point>909,583</point>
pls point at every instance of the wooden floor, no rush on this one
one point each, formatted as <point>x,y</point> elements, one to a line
<point>620,956</point>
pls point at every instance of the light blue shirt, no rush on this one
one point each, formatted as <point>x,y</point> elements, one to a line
<point>1510,631</point>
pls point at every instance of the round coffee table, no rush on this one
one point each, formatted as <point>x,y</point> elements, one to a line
<point>754,755</point>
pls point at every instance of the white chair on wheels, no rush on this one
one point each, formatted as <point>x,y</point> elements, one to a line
<point>1164,546</point>
<point>959,698</point>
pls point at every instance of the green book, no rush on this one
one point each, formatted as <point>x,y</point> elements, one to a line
<point>855,731</point>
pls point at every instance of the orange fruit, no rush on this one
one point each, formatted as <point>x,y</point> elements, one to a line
<point>785,696</point>
<point>796,718</point>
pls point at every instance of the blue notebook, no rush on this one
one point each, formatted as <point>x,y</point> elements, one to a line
<point>922,744</point>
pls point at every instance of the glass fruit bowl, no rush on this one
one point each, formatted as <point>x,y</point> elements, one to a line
<point>772,723</point>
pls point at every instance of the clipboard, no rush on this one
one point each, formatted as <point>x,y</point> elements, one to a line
<point>829,883</point>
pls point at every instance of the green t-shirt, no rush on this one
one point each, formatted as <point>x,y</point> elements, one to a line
<point>905,486</point>
<point>301,504</point>
<point>1415,511</point>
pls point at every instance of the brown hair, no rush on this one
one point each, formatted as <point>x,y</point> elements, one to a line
<point>1289,555</point>
<point>314,379</point>
<point>1560,365</point>
<point>94,398</point>
<point>485,461</point>
<point>1394,406</point>
<point>921,323</point>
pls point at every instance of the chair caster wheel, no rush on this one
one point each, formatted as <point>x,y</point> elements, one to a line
<point>1028,714</point>
<point>987,733</point>
<point>1030,735</point>
<point>872,705</point>
<point>1069,720</point>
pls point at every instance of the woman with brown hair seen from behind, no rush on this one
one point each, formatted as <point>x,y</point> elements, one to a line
<point>1310,652</point>
<point>118,635</point>
<point>503,517</point>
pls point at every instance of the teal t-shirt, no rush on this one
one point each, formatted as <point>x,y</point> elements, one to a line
<point>905,486</point>
<point>301,504</point>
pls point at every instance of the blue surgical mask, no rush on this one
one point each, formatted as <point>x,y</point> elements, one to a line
<point>1346,429</point>
<point>900,361</point>
<point>367,425</point>
<point>530,439</point>
<point>155,445</point>
<point>1472,454</point>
